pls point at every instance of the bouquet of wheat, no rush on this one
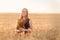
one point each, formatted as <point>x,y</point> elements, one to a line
<point>20,26</point>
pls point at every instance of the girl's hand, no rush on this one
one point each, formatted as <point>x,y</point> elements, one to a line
<point>29,30</point>
<point>17,31</point>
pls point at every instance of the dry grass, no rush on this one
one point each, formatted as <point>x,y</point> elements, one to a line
<point>45,27</point>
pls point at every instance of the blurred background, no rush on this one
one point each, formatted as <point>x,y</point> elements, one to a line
<point>43,13</point>
<point>34,6</point>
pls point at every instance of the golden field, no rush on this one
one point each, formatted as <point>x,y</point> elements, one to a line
<point>45,27</point>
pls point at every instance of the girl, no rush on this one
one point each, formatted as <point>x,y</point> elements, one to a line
<point>24,23</point>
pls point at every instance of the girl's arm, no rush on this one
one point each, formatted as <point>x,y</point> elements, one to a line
<point>30,22</point>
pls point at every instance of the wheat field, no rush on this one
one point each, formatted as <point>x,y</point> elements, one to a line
<point>45,27</point>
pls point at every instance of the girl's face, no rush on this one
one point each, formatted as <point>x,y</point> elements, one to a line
<point>24,12</point>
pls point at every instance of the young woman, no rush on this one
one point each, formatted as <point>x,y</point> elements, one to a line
<point>24,23</point>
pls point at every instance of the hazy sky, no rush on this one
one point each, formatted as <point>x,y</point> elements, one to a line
<point>42,6</point>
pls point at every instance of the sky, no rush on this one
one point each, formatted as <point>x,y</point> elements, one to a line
<point>34,6</point>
